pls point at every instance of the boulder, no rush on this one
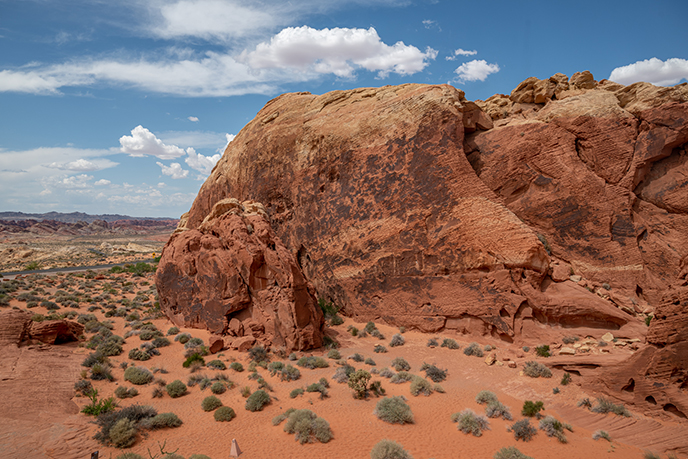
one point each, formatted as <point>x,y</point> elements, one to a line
<point>567,351</point>
<point>244,343</point>
<point>14,327</point>
<point>215,344</point>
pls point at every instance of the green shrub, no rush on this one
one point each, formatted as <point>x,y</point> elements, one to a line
<point>400,364</point>
<point>356,357</point>
<point>312,362</point>
<point>295,393</point>
<point>135,414</point>
<point>307,427</point>
<point>224,414</point>
<point>470,423</point>
<point>100,372</point>
<point>257,400</point>
<point>523,430</point>
<point>566,379</point>
<point>358,381</point>
<point>161,341</point>
<point>236,366</point>
<point>554,428</point>
<point>218,388</point>
<point>183,338</point>
<point>176,388</point>
<point>388,449</point>
<point>258,353</point>
<point>334,354</point>
<point>97,407</point>
<point>604,405</point>
<point>138,375</point>
<point>317,387</point>
<point>123,392</point>
<point>93,358</point>
<point>531,409</point>
<point>473,349</point>
<point>123,433</point>
<point>193,358</point>
<point>394,410</point>
<point>369,361</point>
<point>162,421</point>
<point>449,343</point>
<point>495,409</point>
<point>510,452</point>
<point>139,354</point>
<point>401,377</point>
<point>420,386</point>
<point>536,370</point>
<point>397,340</point>
<point>211,403</point>
<point>485,396</point>
<point>542,351</point>
<point>434,373</point>
<point>173,331</point>
<point>83,386</point>
<point>380,349</point>
<point>342,374</point>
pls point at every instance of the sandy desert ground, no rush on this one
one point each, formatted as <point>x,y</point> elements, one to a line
<point>41,418</point>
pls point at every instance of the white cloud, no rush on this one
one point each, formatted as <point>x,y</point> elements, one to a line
<point>475,70</point>
<point>461,52</point>
<point>655,71</point>
<point>143,142</point>
<point>102,182</point>
<point>203,164</point>
<point>336,51</point>
<point>193,119</point>
<point>84,165</point>
<point>174,170</point>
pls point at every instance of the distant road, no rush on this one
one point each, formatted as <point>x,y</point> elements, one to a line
<point>70,269</point>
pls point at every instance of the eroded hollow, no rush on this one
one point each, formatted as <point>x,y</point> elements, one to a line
<point>630,386</point>
<point>651,399</point>
<point>671,408</point>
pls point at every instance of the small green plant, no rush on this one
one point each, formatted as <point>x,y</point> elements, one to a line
<point>236,366</point>
<point>394,410</point>
<point>648,319</point>
<point>470,423</point>
<point>420,386</point>
<point>258,354</point>
<point>358,382</point>
<point>162,421</point>
<point>566,379</point>
<point>432,342</point>
<point>604,405</point>
<point>334,354</point>
<point>380,349</point>
<point>542,351</point>
<point>510,452</point>
<point>218,388</point>
<point>496,409</point>
<point>211,403</point>
<point>217,364</point>
<point>257,400</point>
<point>224,414</point>
<point>485,396</point>
<point>193,358</point>
<point>434,373</point>
<point>356,357</point>
<point>474,350</point>
<point>388,449</point>
<point>449,343</point>
<point>245,391</point>
<point>176,388</point>
<point>123,433</point>
<point>601,434</point>
<point>97,407</point>
<point>296,392</point>
<point>554,428</point>
<point>531,409</point>
<point>123,392</point>
<point>523,430</point>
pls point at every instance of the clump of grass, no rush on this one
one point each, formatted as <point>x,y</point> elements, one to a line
<point>401,377</point>
<point>566,379</point>
<point>123,392</point>
<point>162,421</point>
<point>474,350</point>
<point>334,354</point>
<point>397,340</point>
<point>217,364</point>
<point>98,406</point>
<point>400,364</point>
<point>296,392</point>
<point>604,405</point>
<point>495,409</point>
<point>318,387</point>
<point>224,414</point>
<point>470,423</point>
<point>543,350</point>
<point>485,396</point>
<point>531,409</point>
<point>312,362</point>
<point>536,370</point>
<point>554,428</point>
<point>257,400</point>
<point>449,343</point>
<point>432,342</point>
<point>307,427</point>
<point>584,402</point>
<point>420,386</point>
<point>236,366</point>
<point>601,434</point>
<point>434,373</point>
<point>115,432</point>
<point>173,331</point>
<point>356,357</point>
<point>138,375</point>
<point>258,353</point>
<point>388,449</point>
<point>193,359</point>
<point>394,410</point>
<point>211,403</point>
<point>510,452</point>
<point>523,430</point>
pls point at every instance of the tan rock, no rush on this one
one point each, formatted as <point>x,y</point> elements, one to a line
<point>608,337</point>
<point>235,327</point>
<point>567,351</point>
<point>575,278</point>
<point>56,331</point>
<point>244,343</point>
<point>511,364</point>
<point>491,359</point>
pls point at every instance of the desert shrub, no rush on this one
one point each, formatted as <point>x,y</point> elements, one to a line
<point>401,377</point>
<point>258,353</point>
<point>211,403</point>
<point>556,390</point>
<point>176,388</point>
<point>83,386</point>
<point>470,423</point>
<point>317,387</point>
<point>358,382</point>
<point>257,400</point>
<point>369,361</point>
<point>342,374</point>
<point>334,354</point>
<point>380,349</point>
<point>449,343</point>
<point>111,346</point>
<point>160,341</point>
<point>128,455</point>
<point>100,372</point>
<point>420,386</point>
<point>566,379</point>
<point>601,434</point>
<point>275,367</point>
<point>245,391</point>
<point>217,364</point>
<point>510,452</point>
<point>123,433</point>
<point>495,409</point>
<point>554,428</point>
<point>394,410</point>
<point>377,334</point>
<point>523,430</point>
<point>397,340</point>
<point>376,388</point>
<point>536,370</point>
<point>352,330</point>
<point>138,375</point>
<point>400,364</point>
<point>236,366</point>
<point>473,349</point>
<point>147,335</point>
<point>569,339</point>
<point>173,331</point>
<point>277,420</point>
<point>224,414</point>
<point>296,392</point>
<point>604,405</point>
<point>193,342</point>
<point>193,358</point>
<point>218,388</point>
<point>183,338</point>
<point>432,342</point>
<point>312,362</point>
<point>386,373</point>
<point>135,414</point>
<point>93,358</point>
<point>388,449</point>
<point>199,456</point>
<point>434,373</point>
<point>307,427</point>
<point>356,357</point>
<point>158,392</point>
<point>162,421</point>
<point>542,351</point>
<point>139,354</point>
<point>485,396</point>
<point>531,409</point>
<point>651,455</point>
<point>123,392</point>
<point>97,407</point>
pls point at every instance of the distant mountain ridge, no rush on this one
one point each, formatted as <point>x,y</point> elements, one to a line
<point>73,217</point>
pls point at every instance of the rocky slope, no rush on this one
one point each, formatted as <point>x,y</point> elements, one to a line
<point>559,209</point>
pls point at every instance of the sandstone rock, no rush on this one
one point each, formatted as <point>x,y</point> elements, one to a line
<point>491,359</point>
<point>575,278</point>
<point>567,351</point>
<point>216,344</point>
<point>235,327</point>
<point>511,364</point>
<point>14,327</point>
<point>560,272</point>
<point>56,331</point>
<point>233,269</point>
<point>608,337</point>
<point>244,343</point>
<point>582,80</point>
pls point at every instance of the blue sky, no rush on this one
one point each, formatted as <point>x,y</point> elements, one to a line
<point>124,106</point>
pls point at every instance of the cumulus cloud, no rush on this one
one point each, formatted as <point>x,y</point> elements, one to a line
<point>655,71</point>
<point>102,182</point>
<point>143,142</point>
<point>174,170</point>
<point>336,51</point>
<point>461,52</point>
<point>475,70</point>
<point>193,119</point>
<point>84,165</point>
<point>201,163</point>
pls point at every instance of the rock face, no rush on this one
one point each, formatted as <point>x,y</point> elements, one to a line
<point>56,331</point>
<point>232,270</point>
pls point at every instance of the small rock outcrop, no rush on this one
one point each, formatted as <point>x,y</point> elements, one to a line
<point>56,331</point>
<point>232,276</point>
